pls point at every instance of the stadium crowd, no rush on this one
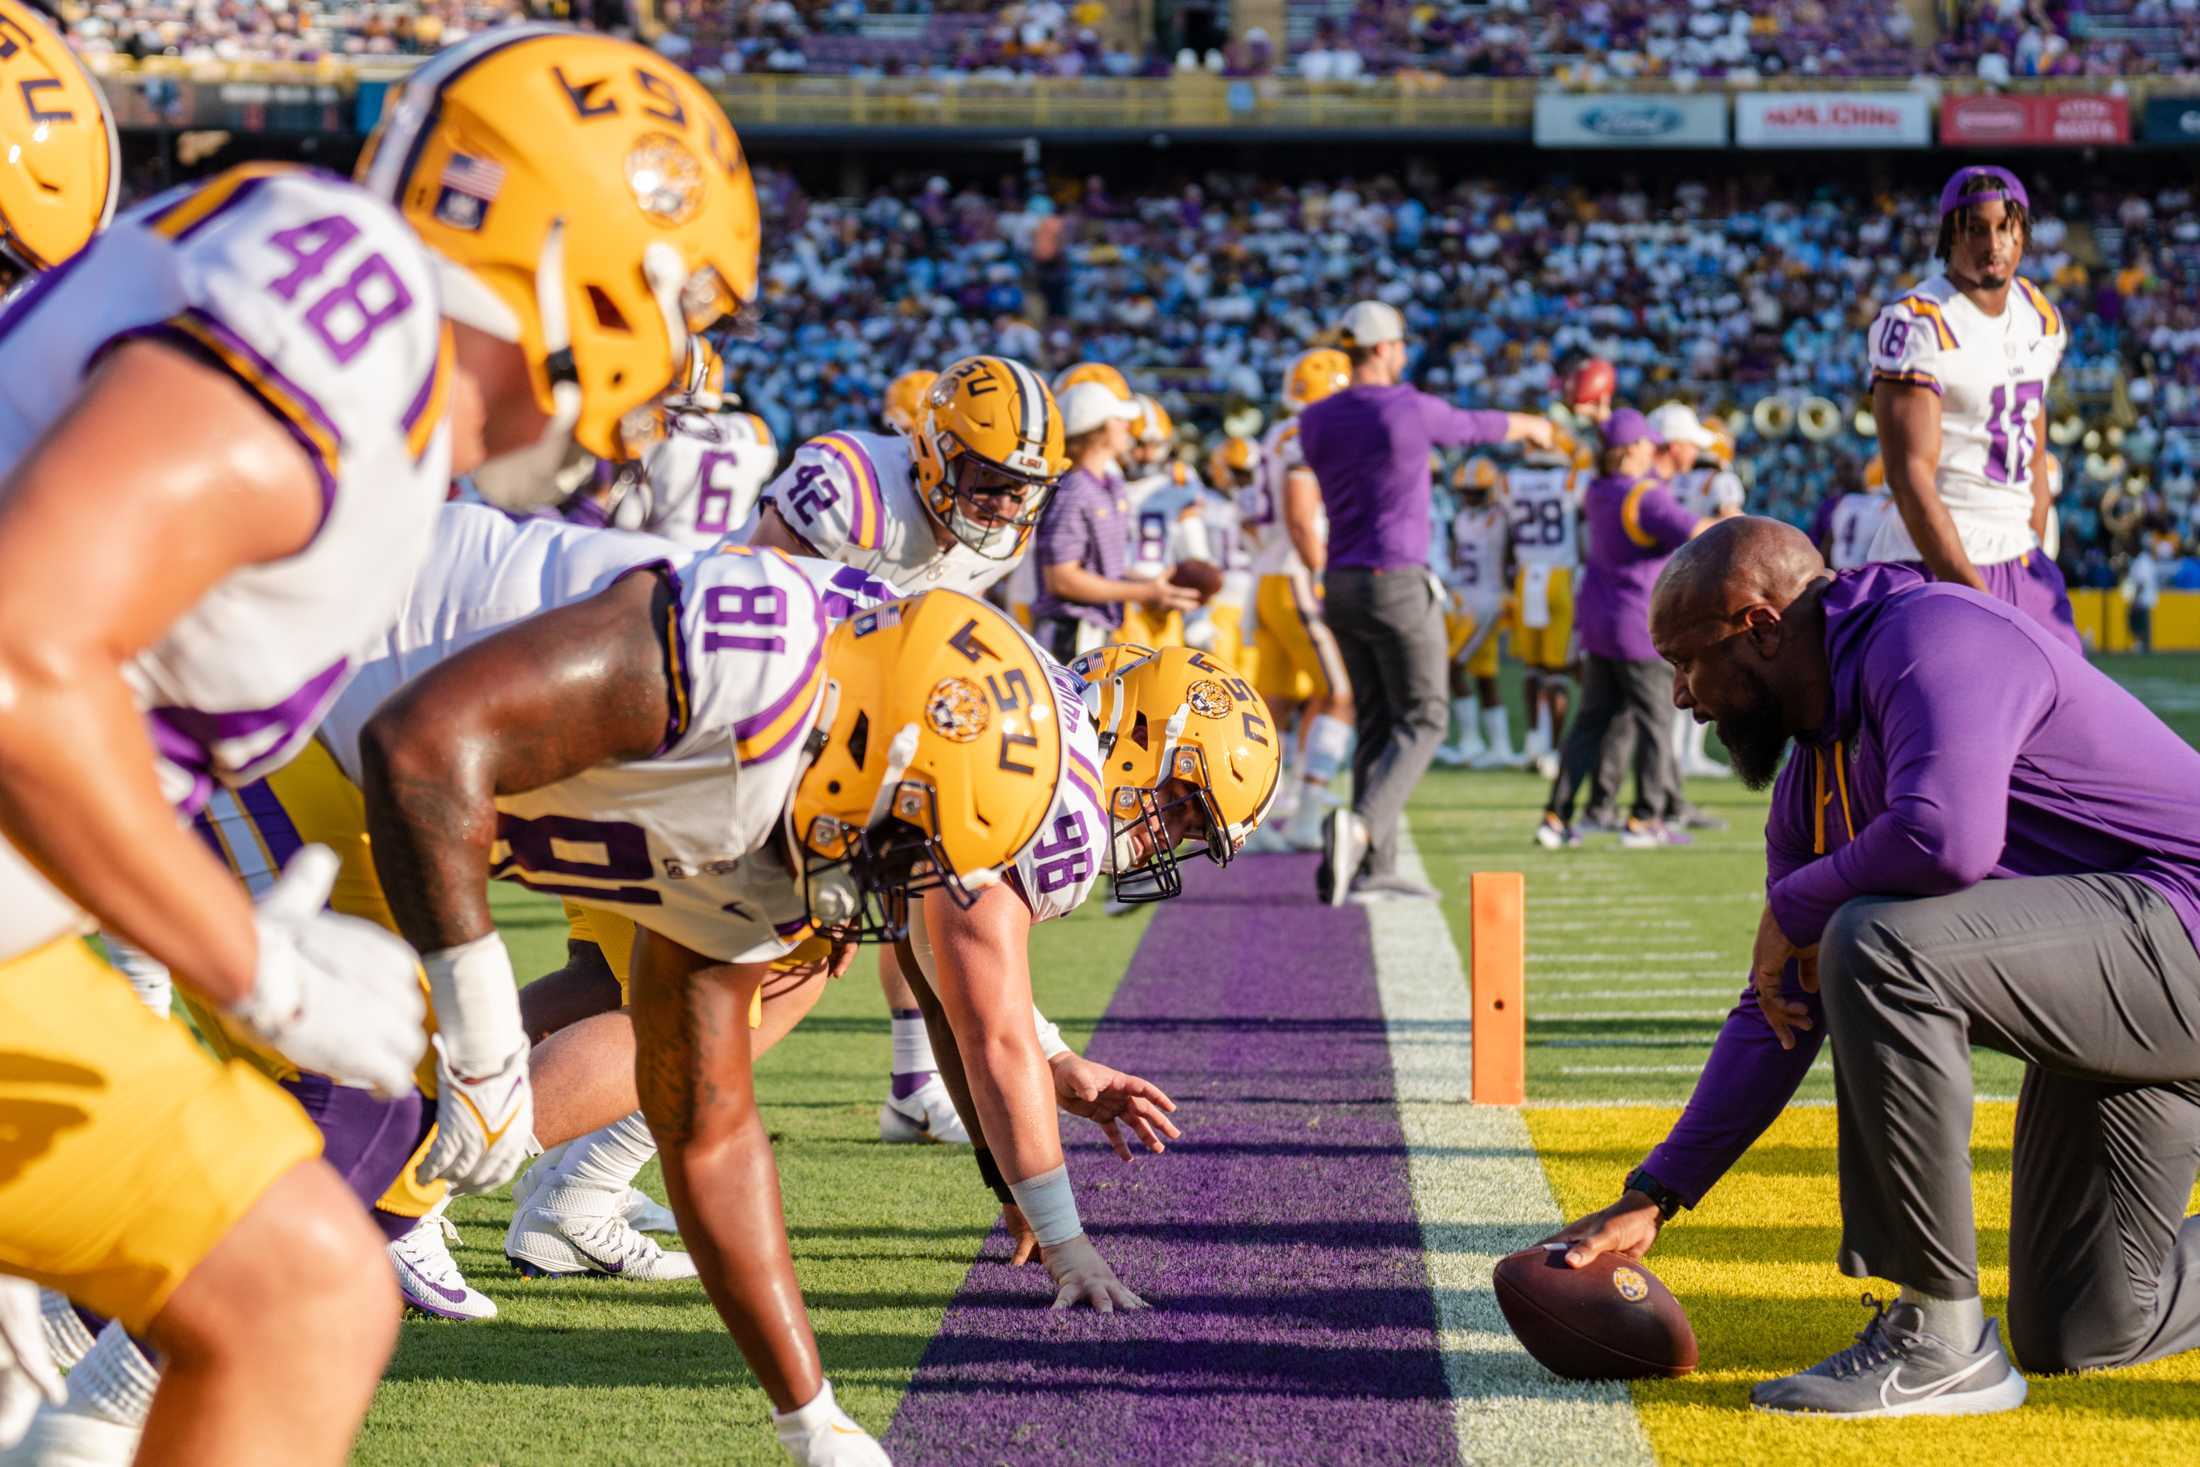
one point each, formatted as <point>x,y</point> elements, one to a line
<point>1576,42</point>
<point>1692,290</point>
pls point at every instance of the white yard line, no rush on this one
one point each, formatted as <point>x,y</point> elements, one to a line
<point>1480,1193</point>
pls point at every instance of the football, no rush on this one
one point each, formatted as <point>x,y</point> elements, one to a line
<point>1612,1320</point>
<point>1203,576</point>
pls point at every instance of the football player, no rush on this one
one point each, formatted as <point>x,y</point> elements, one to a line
<point>1473,553</point>
<point>273,378</point>
<point>695,749</point>
<point>1302,673</point>
<point>1543,502</point>
<point>951,503</point>
<point>1960,372</point>
<point>1852,520</point>
<point>703,477</point>
<point>904,403</point>
<point>1168,527</point>
<point>1222,627</point>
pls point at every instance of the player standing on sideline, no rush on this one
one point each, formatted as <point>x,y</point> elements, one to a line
<point>1850,522</point>
<point>1301,672</point>
<point>1167,527</point>
<point>272,377</point>
<point>1471,557</point>
<point>1223,627</point>
<point>1710,490</point>
<point>1960,371</point>
<point>1543,507</point>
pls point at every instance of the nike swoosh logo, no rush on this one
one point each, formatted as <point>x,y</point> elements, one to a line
<point>606,1264</point>
<point>453,1296</point>
<point>1892,1389</point>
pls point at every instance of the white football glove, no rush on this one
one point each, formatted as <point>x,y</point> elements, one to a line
<point>333,994</point>
<point>485,1106</point>
<point>821,1435</point>
<point>27,1375</point>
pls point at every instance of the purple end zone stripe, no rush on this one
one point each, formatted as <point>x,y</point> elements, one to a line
<point>1294,1321</point>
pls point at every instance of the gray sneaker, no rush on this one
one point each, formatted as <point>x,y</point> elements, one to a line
<point>1369,890</point>
<point>1897,1368</point>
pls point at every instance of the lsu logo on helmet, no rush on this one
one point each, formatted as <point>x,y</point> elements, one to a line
<point>590,202</point>
<point>60,171</point>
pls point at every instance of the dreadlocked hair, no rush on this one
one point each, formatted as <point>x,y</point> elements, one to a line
<point>1985,188</point>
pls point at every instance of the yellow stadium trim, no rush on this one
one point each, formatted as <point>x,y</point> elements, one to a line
<point>214,196</point>
<point>772,733</point>
<point>439,398</point>
<point>1925,310</point>
<point>272,392</point>
<point>1630,514</point>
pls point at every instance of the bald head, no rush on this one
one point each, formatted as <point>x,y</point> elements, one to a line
<point>1736,564</point>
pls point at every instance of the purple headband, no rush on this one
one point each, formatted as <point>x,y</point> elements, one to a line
<point>1953,196</point>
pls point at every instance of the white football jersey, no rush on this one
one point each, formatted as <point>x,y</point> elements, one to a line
<point>1227,547</point>
<point>1273,552</point>
<point>1166,525</point>
<point>1855,527</point>
<point>1474,553</point>
<point>1544,505</point>
<point>704,485</point>
<point>315,297</point>
<point>1059,869</point>
<point>689,842</point>
<point>852,497</point>
<point>1991,374</point>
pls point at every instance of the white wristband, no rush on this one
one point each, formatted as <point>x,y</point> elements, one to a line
<point>476,1004</point>
<point>1050,1034</point>
<point>1049,1206</point>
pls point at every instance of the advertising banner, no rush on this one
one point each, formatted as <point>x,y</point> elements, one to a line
<point>2172,120</point>
<point>1832,120</point>
<point>2067,121</point>
<point>1629,120</point>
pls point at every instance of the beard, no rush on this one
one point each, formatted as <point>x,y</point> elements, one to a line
<point>1755,736</point>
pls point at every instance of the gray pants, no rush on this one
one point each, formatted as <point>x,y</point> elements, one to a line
<point>1625,709</point>
<point>2094,984</point>
<point>1389,627</point>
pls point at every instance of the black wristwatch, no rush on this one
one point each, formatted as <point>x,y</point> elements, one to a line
<point>1668,1200</point>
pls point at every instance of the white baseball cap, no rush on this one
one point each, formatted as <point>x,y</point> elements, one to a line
<point>1676,422</point>
<point>1371,323</point>
<point>1091,405</point>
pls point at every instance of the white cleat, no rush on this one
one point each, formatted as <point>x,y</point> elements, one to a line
<point>642,1210</point>
<point>428,1276</point>
<point>566,1231</point>
<point>63,1437</point>
<point>67,1340</point>
<point>926,1114</point>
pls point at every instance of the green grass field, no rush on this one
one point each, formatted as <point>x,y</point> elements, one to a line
<point>1633,957</point>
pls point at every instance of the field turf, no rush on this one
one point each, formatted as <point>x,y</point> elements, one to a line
<point>1297,1327</point>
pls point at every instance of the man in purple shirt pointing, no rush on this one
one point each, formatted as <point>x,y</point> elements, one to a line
<point>1368,447</point>
<point>1978,839</point>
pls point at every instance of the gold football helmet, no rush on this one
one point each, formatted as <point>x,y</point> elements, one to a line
<point>61,168</point>
<point>1188,751</point>
<point>1154,426</point>
<point>905,399</point>
<point>1314,376</point>
<point>1232,463</point>
<point>592,202</point>
<point>934,761</point>
<point>1875,475</point>
<point>1099,372</point>
<point>1478,475</point>
<point>988,448</point>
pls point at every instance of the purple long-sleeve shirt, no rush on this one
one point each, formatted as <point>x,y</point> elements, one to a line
<point>1966,745</point>
<point>1634,525</point>
<point>1369,448</point>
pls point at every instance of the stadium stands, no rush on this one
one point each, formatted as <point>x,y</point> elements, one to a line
<point>1209,288</point>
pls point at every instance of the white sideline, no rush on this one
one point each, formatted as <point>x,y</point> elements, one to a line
<point>1474,1174</point>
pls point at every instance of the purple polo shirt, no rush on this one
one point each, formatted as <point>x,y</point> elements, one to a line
<point>1369,448</point>
<point>1967,744</point>
<point>1086,524</point>
<point>1635,525</point>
